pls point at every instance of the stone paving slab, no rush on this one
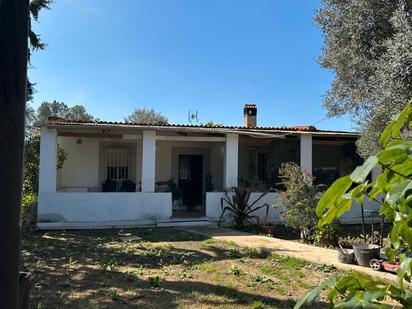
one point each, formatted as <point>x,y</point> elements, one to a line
<point>290,248</point>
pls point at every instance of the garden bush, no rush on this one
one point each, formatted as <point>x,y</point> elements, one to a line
<point>299,199</point>
<point>28,204</point>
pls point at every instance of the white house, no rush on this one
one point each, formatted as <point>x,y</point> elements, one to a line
<point>123,174</point>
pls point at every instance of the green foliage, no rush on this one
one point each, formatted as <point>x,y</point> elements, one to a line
<point>392,190</point>
<point>27,203</point>
<point>211,123</point>
<point>257,305</point>
<point>35,41</point>
<point>368,44</point>
<point>146,116</point>
<point>326,235</point>
<point>32,161</point>
<point>108,265</point>
<point>60,109</point>
<point>154,282</point>
<point>235,270</point>
<point>32,142</point>
<point>238,205</point>
<point>299,199</point>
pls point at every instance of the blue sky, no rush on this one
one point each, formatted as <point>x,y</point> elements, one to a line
<point>179,55</point>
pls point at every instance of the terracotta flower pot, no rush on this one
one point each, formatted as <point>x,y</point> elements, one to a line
<point>268,229</point>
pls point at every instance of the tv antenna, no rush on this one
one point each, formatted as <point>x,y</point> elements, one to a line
<point>192,117</point>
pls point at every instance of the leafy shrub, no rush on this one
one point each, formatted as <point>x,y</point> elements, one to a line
<point>238,204</point>
<point>108,265</point>
<point>28,203</point>
<point>299,199</point>
<point>154,282</point>
<point>348,241</point>
<point>235,270</point>
<point>394,186</point>
<point>326,236</point>
<point>32,161</point>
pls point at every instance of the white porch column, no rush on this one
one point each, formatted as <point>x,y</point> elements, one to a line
<point>48,160</point>
<point>148,161</point>
<point>306,153</point>
<point>231,161</point>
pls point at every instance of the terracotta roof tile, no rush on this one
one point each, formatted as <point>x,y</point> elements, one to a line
<point>62,122</point>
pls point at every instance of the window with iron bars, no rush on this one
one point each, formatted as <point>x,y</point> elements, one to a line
<point>258,163</point>
<point>117,163</point>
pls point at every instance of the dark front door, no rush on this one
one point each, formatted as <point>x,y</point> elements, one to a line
<point>191,179</point>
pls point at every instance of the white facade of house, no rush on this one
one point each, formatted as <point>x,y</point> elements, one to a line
<point>72,197</point>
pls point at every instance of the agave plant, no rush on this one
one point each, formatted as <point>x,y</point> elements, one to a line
<point>237,203</point>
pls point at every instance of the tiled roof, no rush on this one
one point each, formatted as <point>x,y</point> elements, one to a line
<point>57,122</point>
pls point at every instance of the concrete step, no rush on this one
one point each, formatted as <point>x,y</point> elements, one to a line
<point>175,222</point>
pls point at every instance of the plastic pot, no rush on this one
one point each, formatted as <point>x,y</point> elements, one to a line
<point>366,252</point>
<point>346,256</point>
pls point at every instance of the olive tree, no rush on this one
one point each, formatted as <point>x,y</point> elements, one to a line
<point>393,191</point>
<point>368,45</point>
<point>146,116</point>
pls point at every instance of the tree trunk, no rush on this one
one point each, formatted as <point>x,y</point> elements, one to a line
<point>14,23</point>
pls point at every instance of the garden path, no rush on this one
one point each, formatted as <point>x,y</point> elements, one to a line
<point>312,254</point>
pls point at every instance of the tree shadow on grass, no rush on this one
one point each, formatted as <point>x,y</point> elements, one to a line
<point>121,291</point>
<point>100,249</point>
<point>86,264</point>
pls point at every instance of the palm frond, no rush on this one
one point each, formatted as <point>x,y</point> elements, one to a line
<point>37,5</point>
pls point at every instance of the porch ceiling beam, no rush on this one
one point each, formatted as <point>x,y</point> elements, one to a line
<point>331,143</point>
<point>91,135</point>
<point>191,138</point>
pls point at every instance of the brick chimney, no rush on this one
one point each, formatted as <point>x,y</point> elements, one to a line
<point>249,116</point>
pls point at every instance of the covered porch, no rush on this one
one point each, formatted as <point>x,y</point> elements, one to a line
<point>128,175</point>
<point>124,176</point>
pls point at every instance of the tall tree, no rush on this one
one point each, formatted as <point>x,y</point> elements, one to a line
<point>14,28</point>
<point>32,145</point>
<point>146,116</point>
<point>368,44</point>
<point>36,43</point>
<point>60,109</point>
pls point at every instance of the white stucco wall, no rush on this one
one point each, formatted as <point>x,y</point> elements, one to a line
<point>213,208</point>
<point>354,215</point>
<point>81,168</point>
<point>103,207</point>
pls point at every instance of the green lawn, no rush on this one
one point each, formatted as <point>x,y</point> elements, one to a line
<point>168,268</point>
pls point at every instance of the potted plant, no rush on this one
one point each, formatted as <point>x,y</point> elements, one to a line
<point>266,227</point>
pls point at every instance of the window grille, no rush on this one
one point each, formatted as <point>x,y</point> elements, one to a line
<point>258,165</point>
<point>118,163</point>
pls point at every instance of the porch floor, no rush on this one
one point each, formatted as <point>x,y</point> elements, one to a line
<point>179,213</point>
